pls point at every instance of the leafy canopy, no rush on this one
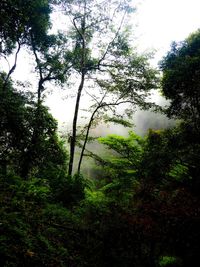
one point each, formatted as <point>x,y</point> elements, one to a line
<point>21,18</point>
<point>181,83</point>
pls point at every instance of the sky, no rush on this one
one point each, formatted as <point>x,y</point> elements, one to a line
<point>159,22</point>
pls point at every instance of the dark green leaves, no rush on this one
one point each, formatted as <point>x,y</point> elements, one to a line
<point>20,18</point>
<point>181,82</point>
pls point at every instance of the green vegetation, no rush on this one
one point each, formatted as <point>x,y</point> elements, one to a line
<point>181,79</point>
<point>142,207</point>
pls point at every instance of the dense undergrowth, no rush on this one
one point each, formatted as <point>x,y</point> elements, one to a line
<point>143,210</point>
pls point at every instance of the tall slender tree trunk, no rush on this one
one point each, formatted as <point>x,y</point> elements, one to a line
<point>87,134</point>
<point>85,142</point>
<point>74,127</point>
<point>81,33</point>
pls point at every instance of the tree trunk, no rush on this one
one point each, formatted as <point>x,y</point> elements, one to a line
<point>84,144</point>
<point>74,128</point>
<point>87,134</point>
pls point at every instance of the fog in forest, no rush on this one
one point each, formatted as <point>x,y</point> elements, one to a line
<point>99,141</point>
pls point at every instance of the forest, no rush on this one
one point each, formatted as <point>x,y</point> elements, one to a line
<point>140,205</point>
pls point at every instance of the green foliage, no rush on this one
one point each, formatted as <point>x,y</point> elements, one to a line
<point>12,125</point>
<point>19,19</point>
<point>180,81</point>
<point>130,219</point>
<point>28,137</point>
<point>68,190</point>
<point>37,189</point>
<point>128,151</point>
<point>179,172</point>
<point>169,261</point>
<point>158,155</point>
<point>96,203</point>
<point>28,233</point>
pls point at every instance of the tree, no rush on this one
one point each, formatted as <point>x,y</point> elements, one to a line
<point>128,152</point>
<point>21,22</point>
<point>99,49</point>
<point>129,85</point>
<point>181,83</point>
<point>50,66</point>
<point>12,130</point>
<point>27,23</point>
<point>20,18</point>
<point>21,152</point>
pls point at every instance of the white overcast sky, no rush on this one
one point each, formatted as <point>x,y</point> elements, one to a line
<point>162,21</point>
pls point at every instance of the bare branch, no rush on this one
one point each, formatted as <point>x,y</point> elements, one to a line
<point>76,27</point>
<point>13,67</point>
<point>112,41</point>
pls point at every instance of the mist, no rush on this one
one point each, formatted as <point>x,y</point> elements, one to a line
<point>62,109</point>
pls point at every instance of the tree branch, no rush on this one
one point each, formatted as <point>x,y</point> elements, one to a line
<point>112,41</point>
<point>13,67</point>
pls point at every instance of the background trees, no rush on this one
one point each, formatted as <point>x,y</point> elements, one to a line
<point>181,79</point>
<point>19,19</point>
<point>19,119</point>
<point>20,22</point>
